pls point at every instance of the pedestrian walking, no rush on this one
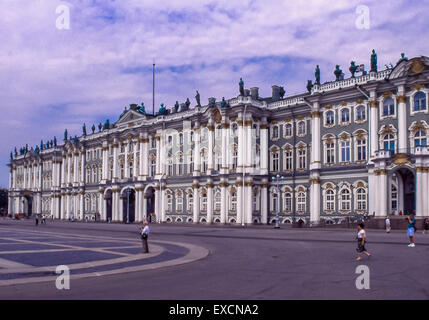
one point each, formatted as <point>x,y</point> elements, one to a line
<point>411,229</point>
<point>37,219</point>
<point>425,225</point>
<point>144,231</point>
<point>43,219</point>
<point>361,241</point>
<point>388,228</point>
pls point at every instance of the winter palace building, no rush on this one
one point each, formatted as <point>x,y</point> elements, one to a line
<point>342,149</point>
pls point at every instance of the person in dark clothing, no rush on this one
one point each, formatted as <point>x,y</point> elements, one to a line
<point>37,219</point>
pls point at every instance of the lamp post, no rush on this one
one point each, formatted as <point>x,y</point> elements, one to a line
<point>277,178</point>
<point>128,191</point>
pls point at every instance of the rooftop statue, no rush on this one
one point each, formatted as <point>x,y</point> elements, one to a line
<point>282,92</point>
<point>37,150</point>
<point>162,110</point>
<point>317,75</point>
<point>84,129</point>
<point>55,141</point>
<point>141,109</point>
<point>187,103</point>
<point>309,85</point>
<point>75,139</point>
<point>403,58</point>
<point>373,61</point>
<point>353,68</point>
<point>11,156</point>
<point>107,124</point>
<point>338,72</point>
<point>65,134</point>
<point>93,128</point>
<point>241,87</point>
<point>16,152</point>
<point>176,106</point>
<point>100,126</point>
<point>212,102</point>
<point>197,98</point>
<point>223,103</point>
<point>41,144</point>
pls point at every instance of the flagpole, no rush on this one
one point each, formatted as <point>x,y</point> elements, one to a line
<point>153,87</point>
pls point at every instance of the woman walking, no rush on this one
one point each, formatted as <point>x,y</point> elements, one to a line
<point>361,239</point>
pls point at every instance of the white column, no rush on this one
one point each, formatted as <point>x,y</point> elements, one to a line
<point>225,165</point>
<point>135,167</point>
<point>127,149</point>
<point>223,205</point>
<point>69,165</point>
<point>248,163</point>
<point>144,158</point>
<point>25,176</point>
<point>197,154</point>
<point>76,167</point>
<point>211,149</point>
<point>248,202</point>
<point>144,207</point>
<point>158,156</point>
<point>426,192</point>
<point>241,149</point>
<point>196,207</point>
<point>82,168</point>
<point>402,121</point>
<point>210,203</point>
<point>105,169</point>
<point>240,202</point>
<point>382,184</point>
<point>115,161</point>
<point>63,170</point>
<point>419,192</point>
<point>82,205</point>
<point>264,203</point>
<point>372,191</point>
<point>373,130</point>
<point>263,133</point>
<point>101,208</point>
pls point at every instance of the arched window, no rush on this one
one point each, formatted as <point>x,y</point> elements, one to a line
<point>233,201</point>
<point>275,132</point>
<point>389,142</point>
<point>152,167</point>
<point>388,107</point>
<point>218,200</point>
<point>204,202</point>
<point>420,138</point>
<point>330,117</point>
<point>287,202</point>
<point>330,200</point>
<point>180,164</point>
<point>131,169</point>
<point>330,151</point>
<point>179,201</point>
<point>300,202</point>
<point>361,199</point>
<point>361,149</point>
<point>190,202</point>
<point>394,197</point>
<point>169,202</point>
<point>360,113</point>
<point>301,128</point>
<point>420,101</point>
<point>288,130</point>
<point>345,200</point>
<point>345,115</point>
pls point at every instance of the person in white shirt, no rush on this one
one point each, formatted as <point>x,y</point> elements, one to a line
<point>361,239</point>
<point>388,228</point>
<point>144,231</point>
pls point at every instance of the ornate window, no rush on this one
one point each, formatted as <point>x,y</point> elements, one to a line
<point>234,157</point>
<point>204,162</point>
<point>287,202</point>
<point>330,152</point>
<point>152,167</point>
<point>302,158</point>
<point>330,118</point>
<point>345,116</point>
<point>179,201</point>
<point>275,160</point>
<point>131,147</point>
<point>301,128</point>
<point>204,201</point>
<point>345,151</point>
<point>394,197</point>
<point>191,162</point>
<point>169,202</point>
<point>361,199</point>
<point>275,132</point>
<point>345,200</point>
<point>360,113</point>
<point>288,159</point>
<point>153,143</point>
<point>420,101</point>
<point>330,200</point>
<point>169,166</point>
<point>301,202</point>
<point>233,201</point>
<point>361,149</point>
<point>190,204</point>
<point>234,129</point>
<point>288,130</point>
<point>274,200</point>
<point>218,200</point>
<point>122,147</point>
<point>388,107</point>
<point>389,142</point>
<point>130,169</point>
<point>122,171</point>
<point>180,138</point>
<point>420,138</point>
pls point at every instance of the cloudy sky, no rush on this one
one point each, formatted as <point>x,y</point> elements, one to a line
<point>53,78</point>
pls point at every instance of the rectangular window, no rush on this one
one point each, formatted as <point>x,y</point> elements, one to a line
<point>345,151</point>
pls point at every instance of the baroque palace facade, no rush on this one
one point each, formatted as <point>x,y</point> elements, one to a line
<point>344,148</point>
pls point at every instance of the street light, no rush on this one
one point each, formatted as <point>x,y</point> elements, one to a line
<point>277,178</point>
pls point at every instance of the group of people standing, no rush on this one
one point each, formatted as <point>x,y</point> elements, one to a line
<point>411,230</point>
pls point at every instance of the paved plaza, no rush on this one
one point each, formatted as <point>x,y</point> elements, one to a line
<point>206,262</point>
